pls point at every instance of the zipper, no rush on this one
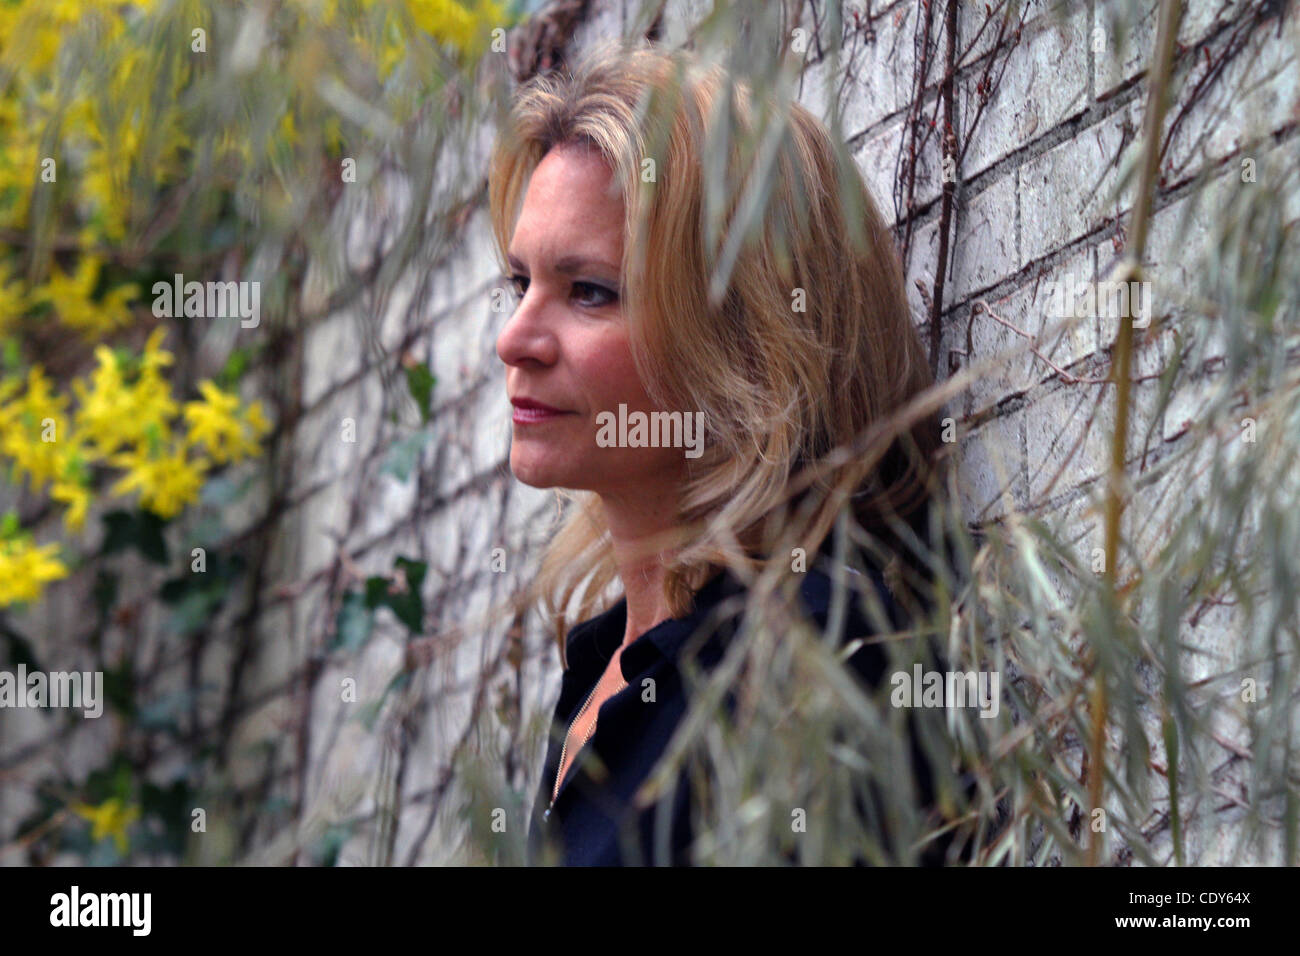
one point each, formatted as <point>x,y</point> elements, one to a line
<point>555,792</point>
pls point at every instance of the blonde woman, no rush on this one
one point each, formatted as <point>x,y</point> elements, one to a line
<point>691,426</point>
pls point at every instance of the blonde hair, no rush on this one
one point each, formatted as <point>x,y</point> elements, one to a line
<point>780,389</point>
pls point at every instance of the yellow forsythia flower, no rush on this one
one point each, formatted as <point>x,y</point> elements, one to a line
<point>113,414</point>
<point>166,483</point>
<point>32,428</point>
<point>110,818</point>
<point>213,424</point>
<point>25,569</point>
<point>71,298</point>
<point>73,485</point>
<point>77,497</point>
<point>468,28</point>
<point>155,357</point>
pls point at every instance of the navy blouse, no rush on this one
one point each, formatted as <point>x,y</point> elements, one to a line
<point>592,818</point>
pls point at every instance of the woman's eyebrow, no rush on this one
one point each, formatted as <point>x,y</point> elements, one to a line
<point>570,265</point>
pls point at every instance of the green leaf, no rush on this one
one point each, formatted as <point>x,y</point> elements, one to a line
<point>407,605</point>
<point>105,591</point>
<point>421,381</point>
<point>119,691</point>
<point>12,354</point>
<point>228,378</point>
<point>403,454</point>
<point>415,572</point>
<point>376,591</point>
<point>111,780</point>
<point>354,623</point>
<point>171,808</point>
<point>195,610</point>
<point>20,650</point>
<point>276,804</point>
<point>326,850</point>
<point>142,530</point>
<point>220,491</point>
<point>195,598</point>
<point>150,541</point>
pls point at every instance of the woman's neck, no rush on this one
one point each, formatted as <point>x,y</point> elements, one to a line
<point>640,559</point>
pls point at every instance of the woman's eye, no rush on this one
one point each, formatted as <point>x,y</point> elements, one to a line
<point>604,296</point>
<point>586,293</point>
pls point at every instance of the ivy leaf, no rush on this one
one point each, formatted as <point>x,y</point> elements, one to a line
<point>142,530</point>
<point>119,691</point>
<point>354,623</point>
<point>20,650</point>
<point>420,381</point>
<point>403,455</point>
<point>221,491</point>
<point>194,610</point>
<point>415,572</point>
<point>376,591</point>
<point>171,808</point>
<point>195,598</point>
<point>111,780</point>
<point>151,542</point>
<point>406,604</point>
<point>325,852</point>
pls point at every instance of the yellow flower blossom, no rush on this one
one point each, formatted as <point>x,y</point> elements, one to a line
<point>25,569</point>
<point>167,483</point>
<point>110,818</point>
<point>77,497</point>
<point>73,485</point>
<point>113,414</point>
<point>32,428</point>
<point>155,357</point>
<point>467,28</point>
<point>256,420</point>
<point>71,298</point>
<point>214,424</point>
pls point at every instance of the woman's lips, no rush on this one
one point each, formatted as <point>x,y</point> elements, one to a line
<point>528,412</point>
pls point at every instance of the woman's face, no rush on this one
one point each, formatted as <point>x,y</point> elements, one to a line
<point>566,345</point>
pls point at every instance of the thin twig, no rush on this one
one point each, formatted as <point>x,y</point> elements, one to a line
<point>1157,96</point>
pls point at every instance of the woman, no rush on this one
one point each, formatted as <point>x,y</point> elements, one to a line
<point>694,421</point>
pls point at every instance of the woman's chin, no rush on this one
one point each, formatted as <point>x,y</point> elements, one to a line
<point>541,471</point>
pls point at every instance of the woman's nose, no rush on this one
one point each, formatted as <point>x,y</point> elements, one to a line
<point>526,336</point>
